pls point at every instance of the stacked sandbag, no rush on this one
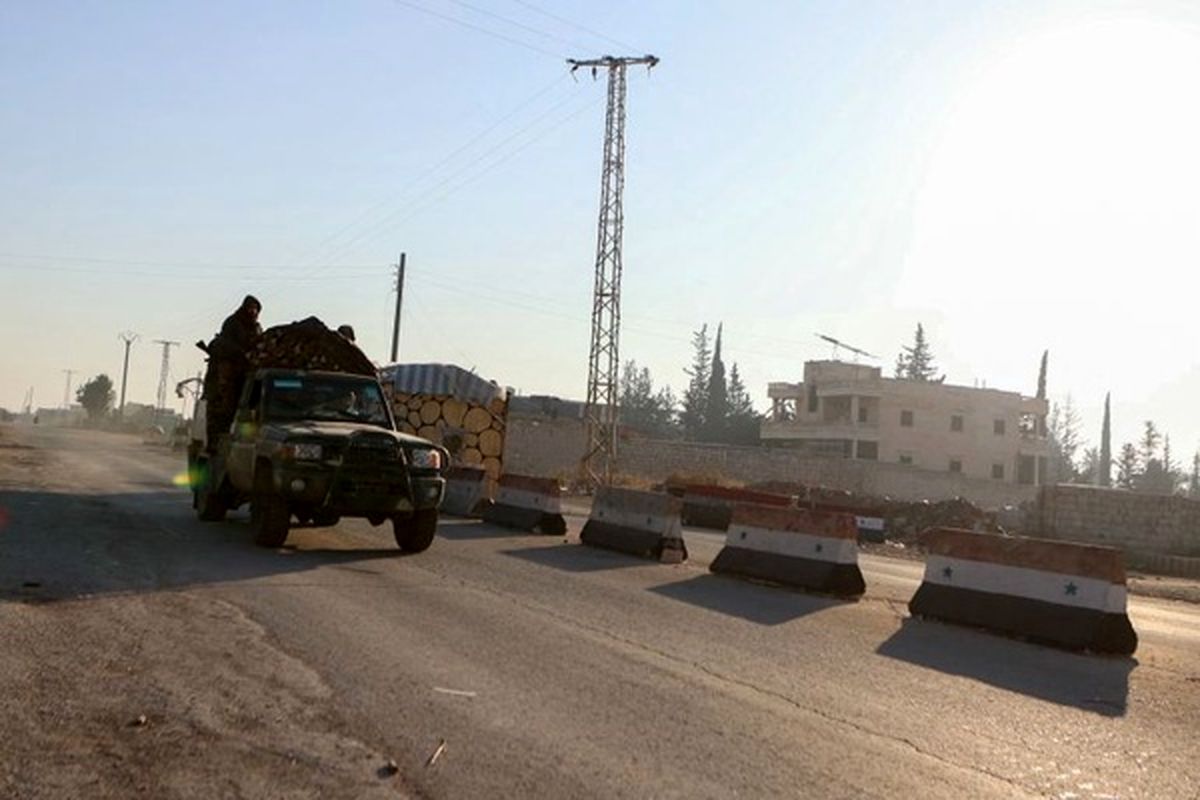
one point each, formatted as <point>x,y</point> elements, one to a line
<point>308,344</point>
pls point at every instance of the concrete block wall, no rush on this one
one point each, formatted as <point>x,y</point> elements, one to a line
<point>554,446</point>
<point>1139,523</point>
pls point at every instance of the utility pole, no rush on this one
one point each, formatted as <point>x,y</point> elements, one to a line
<point>604,357</point>
<point>67,391</point>
<point>162,375</point>
<point>128,337</point>
<point>399,301</point>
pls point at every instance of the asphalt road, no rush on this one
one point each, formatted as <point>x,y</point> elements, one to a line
<point>547,669</point>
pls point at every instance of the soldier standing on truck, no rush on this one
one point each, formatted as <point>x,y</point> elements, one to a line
<point>228,365</point>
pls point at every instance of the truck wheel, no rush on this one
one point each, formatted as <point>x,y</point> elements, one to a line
<point>271,520</point>
<point>414,534</point>
<point>210,505</point>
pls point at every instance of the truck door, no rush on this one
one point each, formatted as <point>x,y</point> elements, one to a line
<point>243,442</point>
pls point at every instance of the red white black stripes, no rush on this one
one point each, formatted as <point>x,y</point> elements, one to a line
<point>528,503</point>
<point>639,523</point>
<point>1061,593</point>
<point>810,550</point>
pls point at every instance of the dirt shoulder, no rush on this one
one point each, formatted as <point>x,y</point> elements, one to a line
<point>156,693</point>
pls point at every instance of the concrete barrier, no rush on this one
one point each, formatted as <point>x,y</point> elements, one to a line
<point>466,492</point>
<point>643,524</point>
<point>812,550</point>
<point>527,503</point>
<point>1060,593</point>
<point>707,506</point>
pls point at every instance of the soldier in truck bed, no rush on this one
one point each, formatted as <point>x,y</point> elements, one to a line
<point>228,365</point>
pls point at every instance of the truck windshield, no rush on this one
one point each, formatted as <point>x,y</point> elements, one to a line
<point>324,398</point>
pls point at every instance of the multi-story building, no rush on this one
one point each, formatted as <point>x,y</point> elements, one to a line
<point>852,411</point>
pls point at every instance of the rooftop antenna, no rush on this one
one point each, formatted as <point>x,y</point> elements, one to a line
<point>836,344</point>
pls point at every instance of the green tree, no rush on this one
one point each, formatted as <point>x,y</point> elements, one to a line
<point>915,363</point>
<point>1194,481</point>
<point>1064,442</point>
<point>1041,387</point>
<point>1160,476</point>
<point>1128,467</point>
<point>716,410</point>
<point>743,419</point>
<point>1106,460</point>
<point>695,399</point>
<point>1089,466</point>
<point>642,407</point>
<point>1149,444</point>
<point>96,396</point>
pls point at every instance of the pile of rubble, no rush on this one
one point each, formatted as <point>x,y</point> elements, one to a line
<point>903,519</point>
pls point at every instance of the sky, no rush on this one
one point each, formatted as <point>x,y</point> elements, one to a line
<point>1015,176</point>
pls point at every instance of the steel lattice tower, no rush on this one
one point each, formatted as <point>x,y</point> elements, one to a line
<point>164,372</point>
<point>604,361</point>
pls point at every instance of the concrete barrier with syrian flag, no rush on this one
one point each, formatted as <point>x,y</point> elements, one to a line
<point>710,506</point>
<point>528,503</point>
<point>812,550</point>
<point>1061,593</point>
<point>643,524</point>
<point>466,492</point>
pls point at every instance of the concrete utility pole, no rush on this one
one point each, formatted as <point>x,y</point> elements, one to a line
<point>604,361</point>
<point>399,301</point>
<point>161,404</point>
<point>128,337</point>
<point>67,391</point>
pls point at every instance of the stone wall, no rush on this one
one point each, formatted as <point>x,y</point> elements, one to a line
<point>1139,523</point>
<point>552,447</point>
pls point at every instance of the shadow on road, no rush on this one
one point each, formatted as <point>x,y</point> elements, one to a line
<point>60,545</point>
<point>465,529</point>
<point>576,558</point>
<point>765,605</point>
<point>1099,684</point>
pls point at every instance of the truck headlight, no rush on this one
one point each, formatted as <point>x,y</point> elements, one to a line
<point>425,458</point>
<point>302,452</point>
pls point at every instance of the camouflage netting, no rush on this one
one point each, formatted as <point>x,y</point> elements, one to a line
<point>308,344</point>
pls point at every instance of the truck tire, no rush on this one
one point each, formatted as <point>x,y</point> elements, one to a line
<point>414,534</point>
<point>210,505</point>
<point>271,520</point>
<point>269,514</point>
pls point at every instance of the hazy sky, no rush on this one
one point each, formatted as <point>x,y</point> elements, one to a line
<point>1015,175</point>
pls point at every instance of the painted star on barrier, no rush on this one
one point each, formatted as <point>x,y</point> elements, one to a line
<point>1072,589</point>
<point>948,573</point>
<point>820,547</point>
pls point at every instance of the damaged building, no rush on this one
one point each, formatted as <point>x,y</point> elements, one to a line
<point>851,411</point>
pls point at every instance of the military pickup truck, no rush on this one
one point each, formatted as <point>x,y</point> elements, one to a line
<point>315,447</point>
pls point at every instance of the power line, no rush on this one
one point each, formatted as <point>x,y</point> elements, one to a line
<point>132,263</point>
<point>577,26</point>
<point>328,240</point>
<point>388,223</point>
<point>177,277</point>
<point>477,28</point>
<point>521,25</point>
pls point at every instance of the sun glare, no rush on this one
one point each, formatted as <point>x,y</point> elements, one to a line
<point>1069,170</point>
